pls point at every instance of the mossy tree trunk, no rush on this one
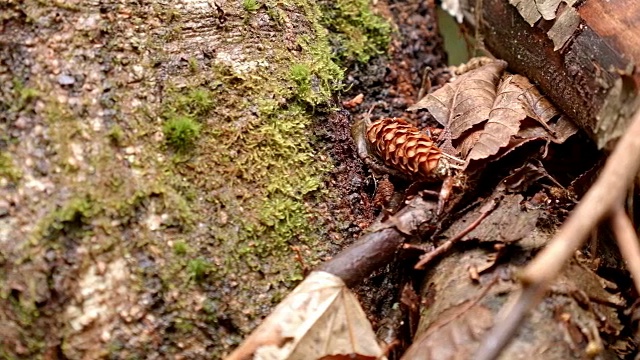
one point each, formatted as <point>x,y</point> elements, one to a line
<point>156,167</point>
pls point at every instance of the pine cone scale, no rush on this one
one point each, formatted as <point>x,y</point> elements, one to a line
<point>402,146</point>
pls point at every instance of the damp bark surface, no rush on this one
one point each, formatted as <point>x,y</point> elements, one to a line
<point>170,170</point>
<point>164,164</point>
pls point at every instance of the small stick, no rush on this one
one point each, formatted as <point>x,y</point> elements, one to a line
<point>453,158</point>
<point>426,258</point>
<point>608,191</point>
<point>425,86</point>
<point>627,242</point>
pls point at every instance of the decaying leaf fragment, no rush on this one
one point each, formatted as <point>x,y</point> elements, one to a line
<point>466,101</point>
<point>320,318</point>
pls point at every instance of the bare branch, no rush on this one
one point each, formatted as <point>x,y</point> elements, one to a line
<point>627,242</point>
<point>379,245</point>
<point>606,194</point>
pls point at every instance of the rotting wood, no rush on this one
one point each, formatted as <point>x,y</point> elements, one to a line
<point>459,306</point>
<point>585,58</point>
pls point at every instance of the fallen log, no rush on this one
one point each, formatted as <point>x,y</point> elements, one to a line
<point>582,54</point>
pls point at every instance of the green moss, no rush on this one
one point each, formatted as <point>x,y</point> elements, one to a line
<point>259,169</point>
<point>318,77</point>
<point>7,170</point>
<point>360,32</point>
<point>180,248</point>
<point>23,95</point>
<point>198,269</point>
<point>116,135</point>
<point>195,102</point>
<point>193,65</point>
<point>250,5</point>
<point>301,74</point>
<point>181,113</point>
<point>76,208</point>
<point>181,132</point>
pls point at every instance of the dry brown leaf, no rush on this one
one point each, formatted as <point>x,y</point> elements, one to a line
<point>521,178</point>
<point>468,142</point>
<point>559,131</point>
<point>454,335</point>
<point>537,106</point>
<point>504,118</point>
<point>466,101</point>
<point>319,318</point>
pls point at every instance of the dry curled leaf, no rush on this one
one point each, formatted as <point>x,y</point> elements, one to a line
<point>355,101</point>
<point>559,130</point>
<point>320,318</point>
<point>521,178</point>
<point>466,101</point>
<point>487,115</point>
<point>504,118</point>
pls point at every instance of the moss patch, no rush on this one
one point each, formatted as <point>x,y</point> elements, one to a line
<point>360,33</point>
<point>259,167</point>
<point>181,132</point>
<point>213,215</point>
<point>250,5</point>
<point>8,172</point>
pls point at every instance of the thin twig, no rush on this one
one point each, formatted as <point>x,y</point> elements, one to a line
<point>499,335</point>
<point>444,247</point>
<point>598,203</point>
<point>608,191</point>
<point>627,242</point>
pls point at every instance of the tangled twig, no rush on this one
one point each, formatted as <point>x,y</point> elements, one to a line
<point>600,202</point>
<point>444,247</point>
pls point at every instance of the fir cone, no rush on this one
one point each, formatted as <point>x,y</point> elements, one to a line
<point>403,147</point>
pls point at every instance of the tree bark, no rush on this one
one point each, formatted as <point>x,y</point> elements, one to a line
<point>157,165</point>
